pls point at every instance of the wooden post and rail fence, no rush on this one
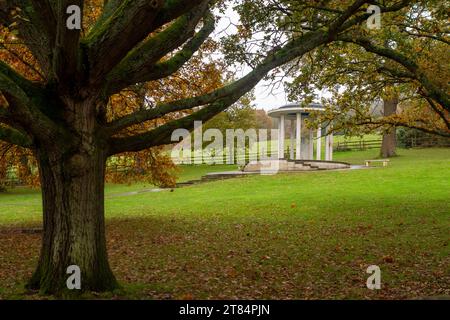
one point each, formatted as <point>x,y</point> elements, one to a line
<point>11,178</point>
<point>357,145</point>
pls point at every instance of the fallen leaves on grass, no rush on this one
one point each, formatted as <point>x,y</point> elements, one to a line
<point>169,258</point>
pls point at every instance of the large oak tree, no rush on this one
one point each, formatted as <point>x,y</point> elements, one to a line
<point>62,118</point>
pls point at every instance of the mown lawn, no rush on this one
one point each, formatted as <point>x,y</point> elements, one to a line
<point>288,236</point>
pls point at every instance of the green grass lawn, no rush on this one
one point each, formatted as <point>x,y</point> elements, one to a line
<point>299,235</point>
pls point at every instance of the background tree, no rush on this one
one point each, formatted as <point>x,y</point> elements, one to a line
<point>263,121</point>
<point>389,142</point>
<point>241,115</point>
<point>397,69</point>
<point>62,116</point>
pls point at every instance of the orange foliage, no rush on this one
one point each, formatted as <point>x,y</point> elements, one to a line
<point>197,77</point>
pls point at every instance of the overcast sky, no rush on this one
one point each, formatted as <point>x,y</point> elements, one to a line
<point>265,97</point>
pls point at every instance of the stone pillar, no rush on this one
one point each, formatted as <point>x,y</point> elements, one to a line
<point>319,143</point>
<point>298,137</point>
<point>291,140</point>
<point>281,137</point>
<point>311,145</point>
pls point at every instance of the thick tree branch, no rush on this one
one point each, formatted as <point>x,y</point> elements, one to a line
<point>15,77</point>
<point>222,98</point>
<point>7,118</point>
<point>110,6</point>
<point>217,100</point>
<point>399,123</point>
<point>237,88</point>
<point>142,65</point>
<point>363,17</point>
<point>433,91</point>
<point>347,14</point>
<point>4,114</point>
<point>396,73</point>
<point>66,54</point>
<point>109,44</point>
<point>15,137</point>
<point>22,109</point>
<point>173,9</point>
<point>444,115</point>
<point>46,20</point>
<point>166,68</point>
<point>19,57</point>
<point>130,23</point>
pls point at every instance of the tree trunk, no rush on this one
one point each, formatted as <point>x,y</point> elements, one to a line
<point>72,182</point>
<point>389,143</point>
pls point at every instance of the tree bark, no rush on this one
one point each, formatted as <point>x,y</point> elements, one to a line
<point>72,182</point>
<point>389,143</point>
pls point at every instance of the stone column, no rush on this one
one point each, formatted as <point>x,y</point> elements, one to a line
<point>329,145</point>
<point>311,145</point>
<point>281,137</point>
<point>319,143</point>
<point>291,140</point>
<point>298,137</point>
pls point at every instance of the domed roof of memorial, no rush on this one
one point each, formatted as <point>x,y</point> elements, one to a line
<point>293,108</point>
<point>300,106</point>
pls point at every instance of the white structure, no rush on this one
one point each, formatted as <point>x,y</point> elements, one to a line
<point>304,138</point>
